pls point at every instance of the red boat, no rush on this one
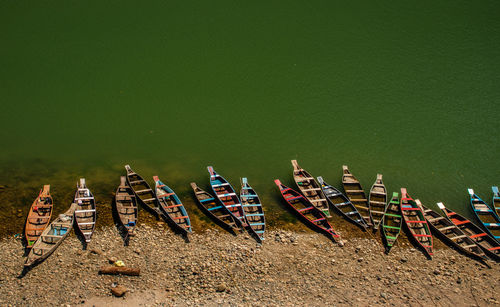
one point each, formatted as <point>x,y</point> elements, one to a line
<point>416,223</point>
<point>312,216</point>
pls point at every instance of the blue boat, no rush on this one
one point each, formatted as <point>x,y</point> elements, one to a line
<point>488,217</point>
<point>227,196</point>
<point>496,200</point>
<point>252,207</point>
<point>172,208</point>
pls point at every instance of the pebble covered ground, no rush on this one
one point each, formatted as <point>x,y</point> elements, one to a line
<point>216,268</point>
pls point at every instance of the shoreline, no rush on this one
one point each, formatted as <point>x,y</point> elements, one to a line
<point>290,268</point>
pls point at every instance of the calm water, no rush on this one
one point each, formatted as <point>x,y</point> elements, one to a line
<point>410,90</point>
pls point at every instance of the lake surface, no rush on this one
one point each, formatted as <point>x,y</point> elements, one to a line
<point>409,90</point>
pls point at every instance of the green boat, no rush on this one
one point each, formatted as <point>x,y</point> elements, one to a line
<point>391,222</point>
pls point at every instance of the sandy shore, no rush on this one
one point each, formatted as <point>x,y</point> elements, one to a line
<point>216,268</point>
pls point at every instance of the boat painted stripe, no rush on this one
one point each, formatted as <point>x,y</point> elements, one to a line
<point>255,214</point>
<point>249,195</point>
<point>320,219</point>
<point>83,198</point>
<point>394,215</point>
<point>232,206</point>
<point>219,185</point>
<point>417,235</point>
<point>226,195</point>
<point>416,222</point>
<point>461,222</point>
<point>173,206</point>
<point>410,209</point>
<point>494,248</point>
<point>84,211</point>
<point>491,224</point>
<point>259,231</point>
<point>304,209</point>
<point>478,235</point>
<point>215,208</point>
<point>293,198</point>
<point>252,205</point>
<point>208,199</point>
<point>351,213</point>
<point>391,237</point>
<point>483,210</point>
<point>342,204</point>
<point>257,224</point>
<point>392,227</point>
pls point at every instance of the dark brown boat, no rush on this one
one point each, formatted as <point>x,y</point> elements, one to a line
<point>450,233</point>
<point>216,211</point>
<point>378,201</point>
<point>146,195</point>
<point>489,245</point>
<point>126,207</point>
<point>356,194</point>
<point>310,188</point>
<point>38,216</point>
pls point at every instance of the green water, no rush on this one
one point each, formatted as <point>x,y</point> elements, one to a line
<point>407,89</point>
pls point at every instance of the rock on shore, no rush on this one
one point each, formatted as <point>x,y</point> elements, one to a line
<point>290,268</point>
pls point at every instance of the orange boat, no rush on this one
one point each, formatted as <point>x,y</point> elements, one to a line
<point>39,216</point>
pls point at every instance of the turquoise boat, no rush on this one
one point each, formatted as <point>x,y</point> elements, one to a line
<point>252,206</point>
<point>172,208</point>
<point>496,200</point>
<point>485,215</point>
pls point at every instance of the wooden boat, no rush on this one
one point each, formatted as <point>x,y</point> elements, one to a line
<point>146,195</point>
<point>450,233</point>
<point>217,212</point>
<point>227,196</point>
<point>488,217</point>
<point>172,207</point>
<point>378,201</point>
<point>496,200</point>
<point>51,237</point>
<point>85,214</point>
<point>356,194</point>
<point>38,216</point>
<point>416,223</point>
<point>489,245</point>
<point>311,215</point>
<point>310,188</point>
<point>391,222</point>
<point>342,204</point>
<point>253,209</point>
<point>126,207</point>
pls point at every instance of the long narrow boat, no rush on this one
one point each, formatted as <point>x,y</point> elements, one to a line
<point>391,222</point>
<point>488,217</point>
<point>126,207</point>
<point>496,200</point>
<point>378,201</point>
<point>342,204</point>
<point>85,213</point>
<point>489,245</point>
<point>217,212</point>
<point>416,223</point>
<point>253,209</point>
<point>450,233</point>
<point>51,237</point>
<point>356,194</point>
<point>310,188</point>
<point>311,215</point>
<point>143,191</point>
<point>38,216</point>
<point>172,207</point>
<point>227,196</point>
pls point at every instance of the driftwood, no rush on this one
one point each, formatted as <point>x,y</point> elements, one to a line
<point>117,270</point>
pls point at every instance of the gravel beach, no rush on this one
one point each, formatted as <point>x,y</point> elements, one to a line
<point>216,268</point>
